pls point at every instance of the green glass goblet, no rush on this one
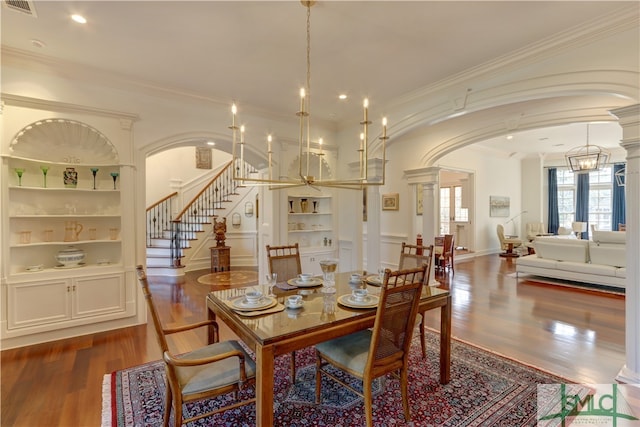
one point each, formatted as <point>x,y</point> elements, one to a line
<point>114,175</point>
<point>19,172</point>
<point>94,171</point>
<point>44,170</point>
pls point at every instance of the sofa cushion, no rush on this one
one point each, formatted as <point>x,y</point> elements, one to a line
<point>619,237</point>
<point>562,249</point>
<point>596,269</point>
<point>535,261</point>
<point>608,254</point>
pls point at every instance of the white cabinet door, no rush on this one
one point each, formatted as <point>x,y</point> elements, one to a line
<point>310,262</point>
<point>38,303</point>
<point>61,300</point>
<point>93,296</point>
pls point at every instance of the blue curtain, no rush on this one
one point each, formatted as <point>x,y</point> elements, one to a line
<point>582,201</point>
<point>619,204</point>
<point>554,216</point>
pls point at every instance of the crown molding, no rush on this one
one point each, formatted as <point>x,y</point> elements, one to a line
<point>43,104</point>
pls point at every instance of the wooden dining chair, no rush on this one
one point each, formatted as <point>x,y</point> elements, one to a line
<point>412,256</point>
<point>285,261</point>
<point>445,253</point>
<point>383,349</point>
<point>204,373</point>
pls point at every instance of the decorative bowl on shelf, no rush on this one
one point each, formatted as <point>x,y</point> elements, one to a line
<point>70,256</point>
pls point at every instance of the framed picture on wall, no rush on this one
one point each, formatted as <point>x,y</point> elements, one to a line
<point>203,158</point>
<point>419,207</point>
<point>499,206</point>
<point>390,202</point>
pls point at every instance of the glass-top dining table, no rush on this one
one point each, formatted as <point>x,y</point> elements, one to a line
<point>321,318</point>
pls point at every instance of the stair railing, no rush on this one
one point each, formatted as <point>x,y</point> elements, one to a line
<point>159,218</point>
<point>204,204</point>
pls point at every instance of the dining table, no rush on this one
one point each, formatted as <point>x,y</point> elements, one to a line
<point>322,316</point>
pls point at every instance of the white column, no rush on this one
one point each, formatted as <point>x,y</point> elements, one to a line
<point>429,222</point>
<point>629,118</point>
<point>429,177</point>
<point>373,228</point>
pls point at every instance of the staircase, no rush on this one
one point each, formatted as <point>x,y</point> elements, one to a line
<point>169,239</point>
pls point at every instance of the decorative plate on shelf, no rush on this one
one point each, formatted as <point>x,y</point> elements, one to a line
<point>67,266</point>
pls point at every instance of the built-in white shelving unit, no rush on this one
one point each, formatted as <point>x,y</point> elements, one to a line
<point>77,203</point>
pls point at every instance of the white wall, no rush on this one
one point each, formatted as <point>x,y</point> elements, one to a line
<point>494,176</point>
<point>175,168</point>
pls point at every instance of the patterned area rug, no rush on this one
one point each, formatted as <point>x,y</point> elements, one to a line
<point>485,390</point>
<point>229,279</point>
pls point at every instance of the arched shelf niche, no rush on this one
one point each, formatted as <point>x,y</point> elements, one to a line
<point>315,160</point>
<point>63,141</point>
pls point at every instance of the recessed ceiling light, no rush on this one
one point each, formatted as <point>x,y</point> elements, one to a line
<point>37,43</point>
<point>342,96</point>
<point>79,19</point>
<point>558,145</point>
<point>211,143</point>
<point>509,137</point>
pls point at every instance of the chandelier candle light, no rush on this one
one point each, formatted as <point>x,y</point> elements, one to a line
<point>305,177</point>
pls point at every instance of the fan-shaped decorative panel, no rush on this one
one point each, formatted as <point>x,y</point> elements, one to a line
<point>63,141</point>
<point>314,169</point>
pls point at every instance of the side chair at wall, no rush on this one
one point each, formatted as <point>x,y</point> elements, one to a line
<point>204,373</point>
<point>383,349</point>
<point>445,253</point>
<point>412,256</point>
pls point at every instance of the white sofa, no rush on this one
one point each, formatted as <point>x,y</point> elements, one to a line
<point>599,261</point>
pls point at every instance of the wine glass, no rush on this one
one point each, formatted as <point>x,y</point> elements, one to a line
<point>44,170</point>
<point>19,172</point>
<point>272,279</point>
<point>114,175</point>
<point>94,171</point>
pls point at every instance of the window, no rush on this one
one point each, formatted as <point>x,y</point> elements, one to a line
<point>460,214</point>
<point>600,198</point>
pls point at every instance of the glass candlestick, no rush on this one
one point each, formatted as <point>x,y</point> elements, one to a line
<point>94,171</point>
<point>114,175</point>
<point>19,172</point>
<point>44,170</point>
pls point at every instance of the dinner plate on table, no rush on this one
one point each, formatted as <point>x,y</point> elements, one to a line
<point>370,301</point>
<point>315,281</point>
<point>374,280</point>
<point>241,303</point>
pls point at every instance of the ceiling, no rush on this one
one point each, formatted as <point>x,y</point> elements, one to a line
<point>253,52</point>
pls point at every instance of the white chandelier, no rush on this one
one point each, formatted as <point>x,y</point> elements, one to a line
<point>305,176</point>
<point>587,158</point>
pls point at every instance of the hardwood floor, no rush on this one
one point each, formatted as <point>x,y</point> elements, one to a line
<point>578,335</point>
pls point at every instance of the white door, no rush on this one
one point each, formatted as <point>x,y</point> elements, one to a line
<point>454,216</point>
